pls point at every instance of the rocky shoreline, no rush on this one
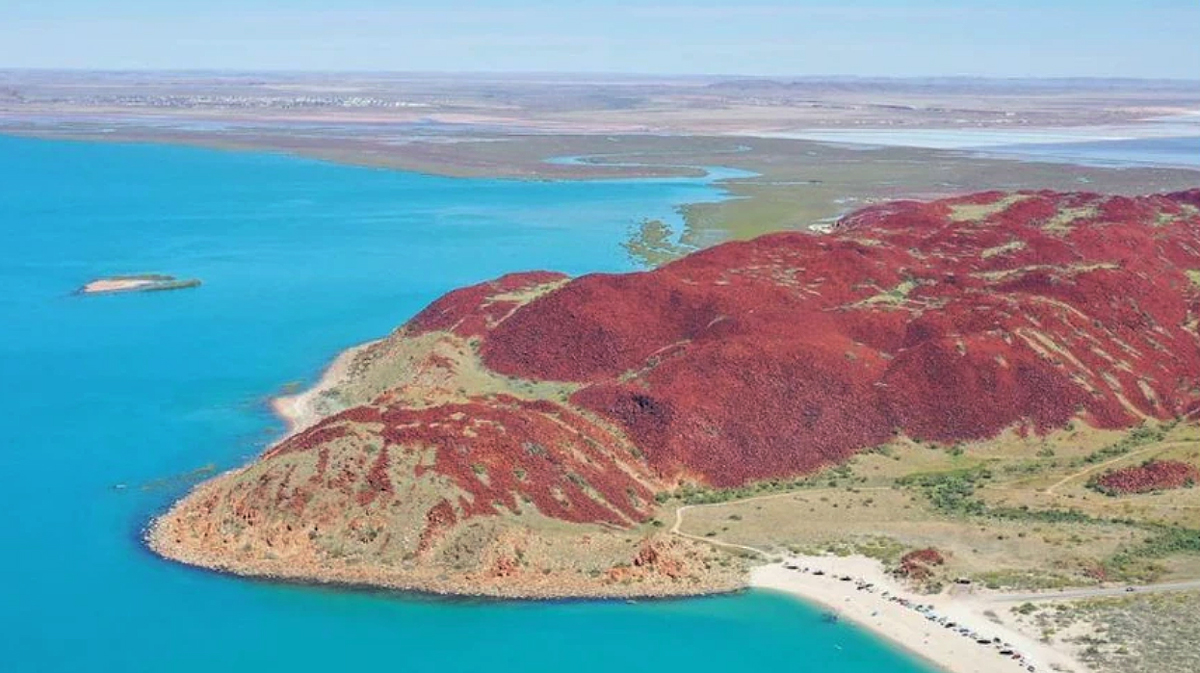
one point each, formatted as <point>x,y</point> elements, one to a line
<point>163,539</point>
<point>169,536</point>
<point>538,589</point>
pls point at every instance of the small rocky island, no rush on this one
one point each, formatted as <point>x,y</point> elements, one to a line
<point>142,282</point>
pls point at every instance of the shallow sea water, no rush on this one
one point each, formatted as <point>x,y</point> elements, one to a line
<point>299,259</point>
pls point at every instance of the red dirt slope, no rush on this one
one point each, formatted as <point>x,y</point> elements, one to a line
<point>945,321</point>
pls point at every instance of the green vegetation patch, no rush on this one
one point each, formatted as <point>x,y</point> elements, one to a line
<point>651,244</point>
<point>1134,562</point>
<point>694,494</point>
<point>952,491</point>
<point>1139,436</point>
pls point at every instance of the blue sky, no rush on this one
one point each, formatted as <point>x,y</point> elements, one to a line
<point>1052,38</point>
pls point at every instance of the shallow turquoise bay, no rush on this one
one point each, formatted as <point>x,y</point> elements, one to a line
<point>300,259</point>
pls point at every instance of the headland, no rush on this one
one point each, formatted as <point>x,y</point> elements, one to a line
<point>533,436</point>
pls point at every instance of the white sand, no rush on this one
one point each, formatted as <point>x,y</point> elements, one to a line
<point>303,410</point>
<point>116,285</point>
<point>905,626</point>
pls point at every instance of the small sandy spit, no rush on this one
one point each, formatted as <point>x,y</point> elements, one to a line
<point>304,409</point>
<point>116,285</point>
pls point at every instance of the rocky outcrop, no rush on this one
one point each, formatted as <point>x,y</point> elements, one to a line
<point>920,564</point>
<point>1153,475</point>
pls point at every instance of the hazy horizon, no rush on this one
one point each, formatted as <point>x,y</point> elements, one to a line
<point>1102,39</point>
<point>778,77</point>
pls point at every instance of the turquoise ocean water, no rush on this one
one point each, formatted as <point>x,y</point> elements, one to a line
<point>300,259</point>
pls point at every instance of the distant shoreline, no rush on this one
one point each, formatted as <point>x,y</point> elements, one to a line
<point>799,183</point>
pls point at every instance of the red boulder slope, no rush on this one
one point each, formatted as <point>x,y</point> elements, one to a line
<point>1154,475</point>
<point>944,321</point>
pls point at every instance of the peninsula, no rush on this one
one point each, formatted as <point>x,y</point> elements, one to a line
<point>950,379</point>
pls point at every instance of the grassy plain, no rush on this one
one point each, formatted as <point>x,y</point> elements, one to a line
<point>1014,512</point>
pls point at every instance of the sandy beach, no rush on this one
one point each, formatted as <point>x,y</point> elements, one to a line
<point>891,611</point>
<point>136,283</point>
<point>304,408</point>
<point>116,285</point>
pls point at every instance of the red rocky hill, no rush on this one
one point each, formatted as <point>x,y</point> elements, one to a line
<point>578,400</point>
<point>943,321</point>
